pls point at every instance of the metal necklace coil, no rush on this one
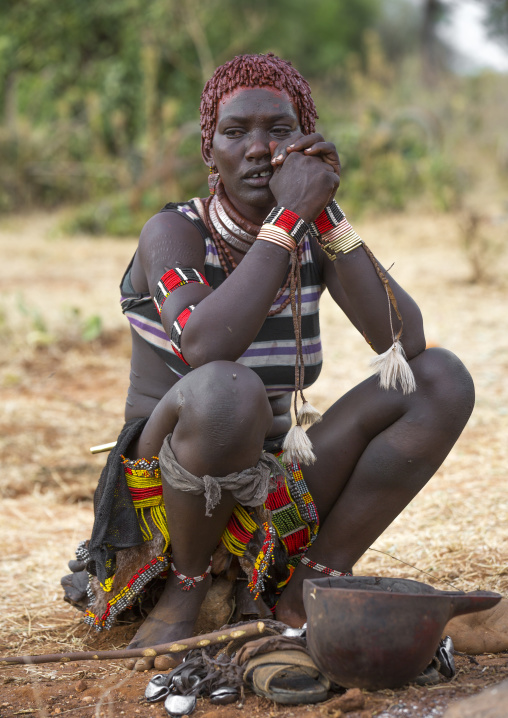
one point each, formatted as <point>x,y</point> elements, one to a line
<point>231,225</point>
<point>228,229</point>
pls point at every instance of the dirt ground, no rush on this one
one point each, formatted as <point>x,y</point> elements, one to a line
<point>62,393</point>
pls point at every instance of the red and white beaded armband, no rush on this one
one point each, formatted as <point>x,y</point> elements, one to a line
<point>173,279</point>
<point>283,227</point>
<point>177,329</point>
<point>334,233</point>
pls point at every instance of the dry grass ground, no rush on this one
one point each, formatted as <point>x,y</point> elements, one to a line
<point>61,394</point>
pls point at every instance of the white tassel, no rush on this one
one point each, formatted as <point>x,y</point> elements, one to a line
<point>392,366</point>
<point>297,447</point>
<point>308,414</point>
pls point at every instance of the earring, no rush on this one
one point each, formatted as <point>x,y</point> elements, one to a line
<point>213,179</point>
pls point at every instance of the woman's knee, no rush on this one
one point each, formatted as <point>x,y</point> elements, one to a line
<point>223,415</point>
<point>223,397</point>
<point>217,406</point>
<point>441,375</point>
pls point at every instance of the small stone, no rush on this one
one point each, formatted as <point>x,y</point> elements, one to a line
<point>87,699</point>
<point>81,686</point>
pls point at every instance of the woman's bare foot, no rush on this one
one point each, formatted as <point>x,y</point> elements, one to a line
<point>172,619</point>
<point>290,609</point>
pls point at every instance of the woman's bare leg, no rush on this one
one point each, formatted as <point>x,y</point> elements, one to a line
<point>375,451</point>
<point>218,417</point>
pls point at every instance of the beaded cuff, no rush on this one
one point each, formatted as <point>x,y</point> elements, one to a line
<point>334,232</point>
<point>177,329</point>
<point>329,218</point>
<point>173,279</point>
<point>288,221</point>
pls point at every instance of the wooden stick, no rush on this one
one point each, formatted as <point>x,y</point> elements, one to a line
<point>102,447</point>
<point>248,630</point>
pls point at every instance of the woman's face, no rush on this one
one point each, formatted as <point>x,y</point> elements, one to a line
<point>247,121</point>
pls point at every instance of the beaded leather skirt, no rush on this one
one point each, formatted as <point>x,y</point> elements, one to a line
<point>267,542</point>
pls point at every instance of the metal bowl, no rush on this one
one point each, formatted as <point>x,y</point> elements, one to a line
<point>371,632</point>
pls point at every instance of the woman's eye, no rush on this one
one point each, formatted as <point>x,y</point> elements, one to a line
<point>232,133</point>
<point>281,131</point>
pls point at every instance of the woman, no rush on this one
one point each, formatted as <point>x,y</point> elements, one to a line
<point>216,332</point>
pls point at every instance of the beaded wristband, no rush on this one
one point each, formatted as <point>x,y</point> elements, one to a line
<point>276,235</point>
<point>334,232</point>
<point>329,218</point>
<point>288,221</point>
<point>177,329</point>
<point>173,279</point>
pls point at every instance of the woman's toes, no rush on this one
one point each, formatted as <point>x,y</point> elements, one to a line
<point>144,664</point>
<point>130,663</point>
<point>166,663</point>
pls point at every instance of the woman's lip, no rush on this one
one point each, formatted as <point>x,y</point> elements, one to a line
<point>258,181</point>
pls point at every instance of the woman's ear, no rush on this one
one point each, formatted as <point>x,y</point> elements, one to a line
<point>207,155</point>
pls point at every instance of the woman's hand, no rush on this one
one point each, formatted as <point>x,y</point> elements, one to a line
<point>306,175</point>
<point>313,145</point>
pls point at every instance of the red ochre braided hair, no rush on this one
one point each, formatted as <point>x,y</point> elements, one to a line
<point>255,71</point>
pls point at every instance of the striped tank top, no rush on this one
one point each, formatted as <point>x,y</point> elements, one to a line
<point>272,354</point>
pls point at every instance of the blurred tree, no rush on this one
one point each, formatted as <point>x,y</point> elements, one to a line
<point>98,98</point>
<point>108,48</point>
<point>497,19</point>
<point>434,12</point>
<point>399,28</point>
<point>112,80</point>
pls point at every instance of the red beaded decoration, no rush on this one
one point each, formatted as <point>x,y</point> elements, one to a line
<point>177,329</point>
<point>188,582</point>
<point>323,569</point>
<point>289,221</point>
<point>329,218</point>
<point>263,561</point>
<point>173,279</point>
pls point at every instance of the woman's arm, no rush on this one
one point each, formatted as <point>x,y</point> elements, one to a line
<point>352,280</point>
<point>226,320</point>
<point>355,286</point>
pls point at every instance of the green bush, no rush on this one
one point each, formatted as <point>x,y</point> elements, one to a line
<point>387,164</point>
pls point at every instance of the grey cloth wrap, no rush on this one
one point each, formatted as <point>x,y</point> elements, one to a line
<point>249,487</point>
